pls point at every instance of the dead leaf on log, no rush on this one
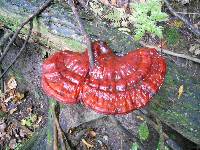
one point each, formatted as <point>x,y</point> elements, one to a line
<point>87,144</point>
<point>12,83</point>
<point>195,49</point>
<point>180,91</point>
<point>12,143</point>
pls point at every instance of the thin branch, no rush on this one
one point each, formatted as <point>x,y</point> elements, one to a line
<point>188,13</point>
<point>86,37</point>
<point>19,53</point>
<point>181,17</point>
<point>38,12</point>
<point>60,134</point>
<point>172,53</point>
<point>55,137</point>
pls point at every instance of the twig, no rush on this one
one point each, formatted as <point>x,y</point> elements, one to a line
<point>188,13</point>
<point>19,53</point>
<point>5,38</point>
<point>172,53</point>
<point>60,134</point>
<point>38,12</point>
<point>86,37</point>
<point>124,130</point>
<point>181,17</point>
<point>55,137</point>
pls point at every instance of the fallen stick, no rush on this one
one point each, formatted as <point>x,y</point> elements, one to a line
<point>55,137</point>
<point>172,53</point>
<point>38,12</point>
<point>60,134</point>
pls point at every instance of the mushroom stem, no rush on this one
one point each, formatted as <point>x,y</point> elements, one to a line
<point>86,37</point>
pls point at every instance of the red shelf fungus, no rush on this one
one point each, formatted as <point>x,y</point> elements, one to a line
<point>116,85</point>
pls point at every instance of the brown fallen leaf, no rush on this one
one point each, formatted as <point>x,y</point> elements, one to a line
<point>1,25</point>
<point>140,118</point>
<point>18,97</point>
<point>195,49</point>
<point>92,133</point>
<point>12,83</point>
<point>3,107</point>
<point>180,91</point>
<point>12,143</point>
<point>13,110</point>
<point>87,144</point>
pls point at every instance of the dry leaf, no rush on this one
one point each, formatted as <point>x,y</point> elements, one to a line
<point>18,97</point>
<point>12,83</point>
<point>29,110</point>
<point>3,107</point>
<point>180,91</point>
<point>92,134</point>
<point>12,143</point>
<point>2,127</point>
<point>195,49</point>
<point>1,25</point>
<point>39,120</point>
<point>13,110</point>
<point>87,144</point>
<point>140,117</point>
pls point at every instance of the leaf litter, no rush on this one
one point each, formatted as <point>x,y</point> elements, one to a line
<point>12,131</point>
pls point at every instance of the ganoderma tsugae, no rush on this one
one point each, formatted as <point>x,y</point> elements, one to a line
<point>116,84</point>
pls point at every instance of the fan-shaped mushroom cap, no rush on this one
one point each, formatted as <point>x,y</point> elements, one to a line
<point>116,85</point>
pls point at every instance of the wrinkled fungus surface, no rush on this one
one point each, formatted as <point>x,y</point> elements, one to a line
<point>116,85</point>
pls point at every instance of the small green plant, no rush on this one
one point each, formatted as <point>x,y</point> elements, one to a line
<point>144,17</point>
<point>10,22</point>
<point>134,146</point>
<point>29,121</point>
<point>143,131</point>
<point>172,36</point>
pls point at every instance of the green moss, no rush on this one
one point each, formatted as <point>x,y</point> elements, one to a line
<point>172,35</point>
<point>11,22</point>
<point>169,79</point>
<point>73,44</point>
